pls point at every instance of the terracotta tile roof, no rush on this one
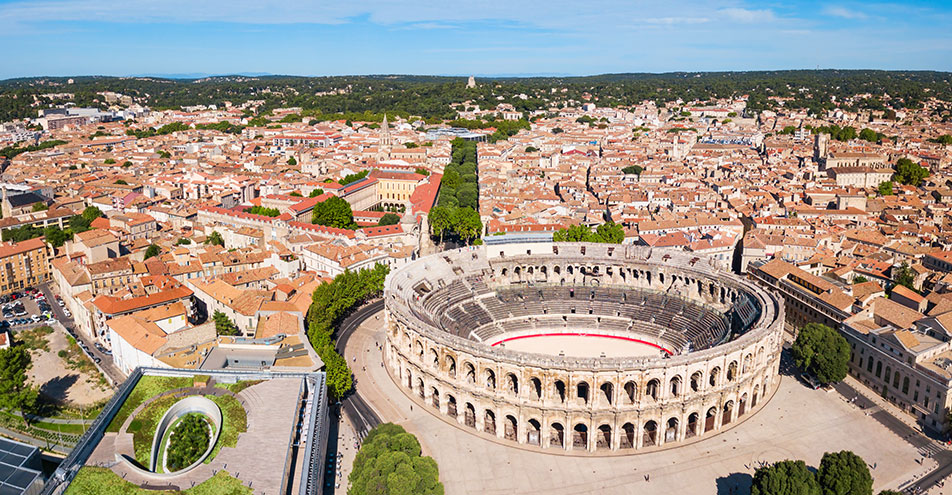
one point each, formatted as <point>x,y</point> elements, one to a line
<point>113,306</point>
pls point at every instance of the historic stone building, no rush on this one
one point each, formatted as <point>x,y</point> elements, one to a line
<point>715,338</point>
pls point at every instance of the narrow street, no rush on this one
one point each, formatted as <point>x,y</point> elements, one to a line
<point>113,375</point>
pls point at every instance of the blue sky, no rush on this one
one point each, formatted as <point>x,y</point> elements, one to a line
<point>317,37</point>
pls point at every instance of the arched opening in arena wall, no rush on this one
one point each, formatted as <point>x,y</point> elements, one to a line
<point>489,422</point>
<point>650,434</point>
<point>451,366</point>
<point>606,389</point>
<point>604,439</point>
<point>728,411</point>
<point>469,415</point>
<point>511,428</point>
<point>671,432</point>
<point>628,436</point>
<point>533,432</point>
<point>580,437</point>
<point>651,390</point>
<point>536,388</point>
<point>451,406</point>
<point>693,425</point>
<point>560,390</point>
<point>715,374</point>
<point>512,384</point>
<point>675,386</point>
<point>582,392</point>
<point>630,391</point>
<point>435,394</point>
<point>557,435</point>
<point>470,373</point>
<point>710,419</point>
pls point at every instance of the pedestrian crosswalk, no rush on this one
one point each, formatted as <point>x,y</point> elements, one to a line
<point>931,449</point>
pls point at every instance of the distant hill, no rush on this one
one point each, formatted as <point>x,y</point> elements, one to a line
<point>431,96</point>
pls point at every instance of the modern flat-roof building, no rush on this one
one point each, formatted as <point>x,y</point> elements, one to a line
<point>21,472</point>
<point>280,418</point>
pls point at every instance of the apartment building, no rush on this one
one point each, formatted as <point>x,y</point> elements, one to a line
<point>23,264</point>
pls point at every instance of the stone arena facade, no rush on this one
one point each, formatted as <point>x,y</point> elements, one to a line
<point>722,337</point>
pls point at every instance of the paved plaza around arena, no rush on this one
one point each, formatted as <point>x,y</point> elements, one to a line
<point>797,423</point>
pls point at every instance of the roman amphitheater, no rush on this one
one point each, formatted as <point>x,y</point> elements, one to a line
<point>582,347</point>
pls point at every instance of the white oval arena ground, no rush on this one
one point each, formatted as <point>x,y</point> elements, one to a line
<point>582,345</point>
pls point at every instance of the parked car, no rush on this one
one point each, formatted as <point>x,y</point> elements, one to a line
<point>36,318</point>
<point>67,313</point>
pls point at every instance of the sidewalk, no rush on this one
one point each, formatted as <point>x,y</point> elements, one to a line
<point>345,441</point>
<point>889,407</point>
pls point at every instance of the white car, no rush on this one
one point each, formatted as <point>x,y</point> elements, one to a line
<point>67,313</point>
<point>50,321</point>
<point>36,318</point>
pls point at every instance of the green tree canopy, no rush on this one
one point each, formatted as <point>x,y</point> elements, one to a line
<point>353,177</point>
<point>91,213</point>
<point>261,210</point>
<point>223,324</point>
<point>905,276</point>
<point>334,212</point>
<point>844,473</point>
<point>215,239</point>
<point>822,351</point>
<point>315,193</point>
<point>785,478</point>
<point>389,219</point>
<point>40,206</point>
<point>15,393</point>
<point>609,233</point>
<point>633,169</point>
<point>885,188</point>
<point>329,304</point>
<point>869,135</point>
<point>292,161</point>
<point>909,172</point>
<point>152,251</point>
<point>389,463</point>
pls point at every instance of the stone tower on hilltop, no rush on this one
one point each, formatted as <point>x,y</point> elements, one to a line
<point>471,83</point>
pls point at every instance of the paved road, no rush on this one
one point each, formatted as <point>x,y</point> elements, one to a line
<point>112,372</point>
<point>360,414</point>
<point>927,447</point>
<point>36,442</point>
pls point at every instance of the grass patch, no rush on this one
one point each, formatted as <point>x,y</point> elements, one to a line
<point>91,480</point>
<point>234,422</point>
<point>60,427</point>
<point>143,427</point>
<point>35,338</point>
<point>238,386</point>
<point>148,387</point>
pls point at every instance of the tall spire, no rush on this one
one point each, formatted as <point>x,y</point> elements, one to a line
<point>385,132</point>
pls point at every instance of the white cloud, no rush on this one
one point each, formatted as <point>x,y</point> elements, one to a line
<point>844,13</point>
<point>560,14</point>
<point>748,15</point>
<point>670,21</point>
